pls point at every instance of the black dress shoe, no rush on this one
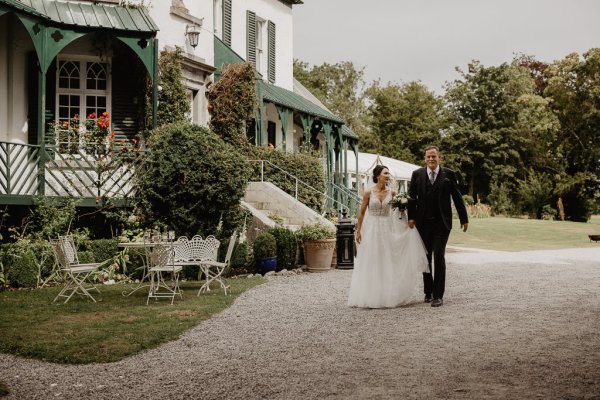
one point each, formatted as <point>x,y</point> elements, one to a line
<point>428,298</point>
<point>437,303</point>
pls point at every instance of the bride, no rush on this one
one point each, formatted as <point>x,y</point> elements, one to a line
<point>391,259</point>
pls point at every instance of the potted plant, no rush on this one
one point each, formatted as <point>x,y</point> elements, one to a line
<point>265,252</point>
<point>318,241</point>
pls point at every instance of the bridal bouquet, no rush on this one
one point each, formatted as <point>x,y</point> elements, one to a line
<point>400,201</point>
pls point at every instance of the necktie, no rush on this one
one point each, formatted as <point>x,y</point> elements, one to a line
<point>432,177</point>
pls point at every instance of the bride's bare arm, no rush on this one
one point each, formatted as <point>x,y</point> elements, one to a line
<point>363,208</point>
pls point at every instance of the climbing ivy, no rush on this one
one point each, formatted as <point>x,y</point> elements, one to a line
<point>232,103</point>
<point>173,100</point>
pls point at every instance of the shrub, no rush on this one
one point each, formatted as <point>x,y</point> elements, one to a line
<point>173,100</point>
<point>264,246</point>
<point>191,181</point>
<point>23,270</point>
<point>239,258</point>
<point>286,247</point>
<point>316,231</point>
<point>301,165</point>
<point>102,249</point>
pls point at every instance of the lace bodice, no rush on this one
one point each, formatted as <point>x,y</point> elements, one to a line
<point>380,208</point>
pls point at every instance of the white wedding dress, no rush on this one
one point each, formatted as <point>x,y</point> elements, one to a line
<point>391,259</point>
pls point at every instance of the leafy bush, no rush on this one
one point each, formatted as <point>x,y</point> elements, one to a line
<point>287,247</point>
<point>23,270</point>
<point>301,165</point>
<point>500,199</point>
<point>239,258</point>
<point>264,246</point>
<point>316,231</point>
<point>191,181</point>
<point>173,100</point>
<point>102,249</point>
<point>48,218</point>
<point>469,201</point>
<point>233,103</point>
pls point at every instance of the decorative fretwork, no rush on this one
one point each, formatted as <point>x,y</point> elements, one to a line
<point>23,173</point>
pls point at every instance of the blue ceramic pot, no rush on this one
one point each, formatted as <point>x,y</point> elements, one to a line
<point>267,264</point>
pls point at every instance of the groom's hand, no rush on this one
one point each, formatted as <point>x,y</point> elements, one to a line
<point>411,223</point>
<point>465,226</point>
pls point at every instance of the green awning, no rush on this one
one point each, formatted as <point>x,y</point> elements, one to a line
<point>87,15</point>
<point>347,132</point>
<point>277,95</point>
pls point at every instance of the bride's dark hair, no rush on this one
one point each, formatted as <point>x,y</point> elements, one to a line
<point>377,171</point>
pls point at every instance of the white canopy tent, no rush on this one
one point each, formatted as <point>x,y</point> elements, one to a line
<point>401,171</point>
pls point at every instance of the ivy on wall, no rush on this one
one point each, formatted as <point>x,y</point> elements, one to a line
<point>173,99</point>
<point>232,102</point>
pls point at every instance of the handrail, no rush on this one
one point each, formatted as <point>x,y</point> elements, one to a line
<point>298,182</point>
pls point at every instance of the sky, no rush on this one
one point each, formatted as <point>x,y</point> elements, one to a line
<point>401,41</point>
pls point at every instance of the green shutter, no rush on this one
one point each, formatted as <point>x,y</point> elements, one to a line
<point>251,37</point>
<point>271,65</point>
<point>227,22</point>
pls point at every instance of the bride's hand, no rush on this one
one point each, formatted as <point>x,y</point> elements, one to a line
<point>358,237</point>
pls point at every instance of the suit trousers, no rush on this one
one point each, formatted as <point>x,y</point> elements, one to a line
<point>435,237</point>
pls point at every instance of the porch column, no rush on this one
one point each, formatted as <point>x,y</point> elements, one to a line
<point>307,121</point>
<point>284,116</point>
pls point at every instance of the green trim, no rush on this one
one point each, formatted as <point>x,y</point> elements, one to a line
<point>81,202</point>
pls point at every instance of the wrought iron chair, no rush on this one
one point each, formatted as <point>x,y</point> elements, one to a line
<point>74,273</point>
<point>162,263</point>
<point>213,269</point>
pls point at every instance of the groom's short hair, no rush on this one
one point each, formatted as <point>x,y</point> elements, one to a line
<point>431,147</point>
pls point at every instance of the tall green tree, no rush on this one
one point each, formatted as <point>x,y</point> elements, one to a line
<point>574,91</point>
<point>495,119</point>
<point>404,118</point>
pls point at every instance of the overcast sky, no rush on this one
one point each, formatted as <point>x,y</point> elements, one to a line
<point>402,40</point>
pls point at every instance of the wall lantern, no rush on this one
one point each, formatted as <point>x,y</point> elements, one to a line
<point>192,33</point>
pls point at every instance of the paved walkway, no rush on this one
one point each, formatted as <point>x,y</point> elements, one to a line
<point>514,325</point>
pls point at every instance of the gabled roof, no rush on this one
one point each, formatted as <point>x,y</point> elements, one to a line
<point>87,14</point>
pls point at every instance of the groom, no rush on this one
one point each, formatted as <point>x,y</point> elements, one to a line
<point>432,187</point>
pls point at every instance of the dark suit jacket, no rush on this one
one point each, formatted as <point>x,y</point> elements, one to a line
<point>447,188</point>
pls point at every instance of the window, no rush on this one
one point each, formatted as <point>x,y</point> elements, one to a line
<point>218,18</point>
<point>260,45</point>
<point>83,88</point>
<point>261,52</point>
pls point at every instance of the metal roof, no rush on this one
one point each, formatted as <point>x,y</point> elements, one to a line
<point>289,99</point>
<point>88,15</point>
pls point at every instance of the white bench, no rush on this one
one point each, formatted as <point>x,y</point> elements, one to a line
<point>202,253</point>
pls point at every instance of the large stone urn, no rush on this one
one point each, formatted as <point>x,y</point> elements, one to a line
<point>318,254</point>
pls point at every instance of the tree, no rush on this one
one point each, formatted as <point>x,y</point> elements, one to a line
<point>404,118</point>
<point>574,93</point>
<point>497,127</point>
<point>173,100</point>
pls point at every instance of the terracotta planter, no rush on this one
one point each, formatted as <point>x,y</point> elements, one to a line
<point>318,254</point>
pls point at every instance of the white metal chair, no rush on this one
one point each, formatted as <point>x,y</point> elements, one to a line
<point>213,269</point>
<point>161,264</point>
<point>74,273</point>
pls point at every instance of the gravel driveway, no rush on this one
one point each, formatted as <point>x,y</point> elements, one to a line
<point>514,325</point>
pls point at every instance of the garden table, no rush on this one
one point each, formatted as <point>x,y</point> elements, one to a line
<point>142,249</point>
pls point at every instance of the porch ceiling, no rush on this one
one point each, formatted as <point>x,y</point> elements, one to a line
<point>289,99</point>
<point>87,15</point>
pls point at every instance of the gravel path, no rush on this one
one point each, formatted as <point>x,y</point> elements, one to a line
<point>513,325</point>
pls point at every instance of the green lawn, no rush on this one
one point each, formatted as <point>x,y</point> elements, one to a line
<point>515,234</point>
<point>113,328</point>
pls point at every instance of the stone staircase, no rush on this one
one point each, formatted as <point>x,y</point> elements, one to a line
<point>267,203</point>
